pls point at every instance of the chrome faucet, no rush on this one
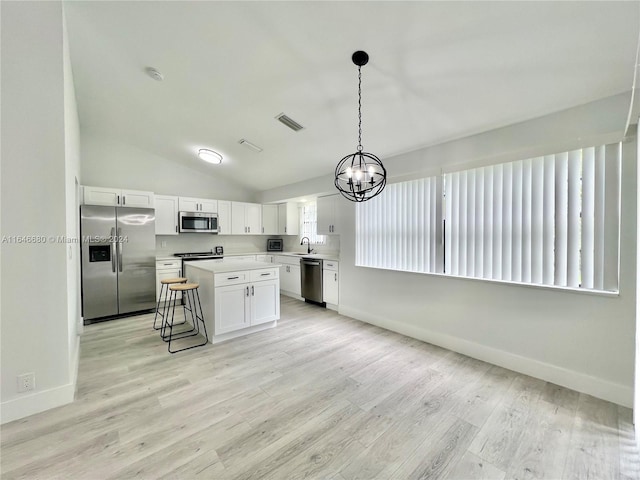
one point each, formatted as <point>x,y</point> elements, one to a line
<point>308,244</point>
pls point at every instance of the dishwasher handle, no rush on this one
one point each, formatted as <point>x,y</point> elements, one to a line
<point>308,262</point>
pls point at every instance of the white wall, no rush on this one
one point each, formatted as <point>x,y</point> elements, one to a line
<point>109,163</point>
<point>34,320</point>
<point>583,341</point>
<point>72,180</point>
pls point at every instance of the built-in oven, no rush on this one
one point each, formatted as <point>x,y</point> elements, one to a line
<point>198,222</point>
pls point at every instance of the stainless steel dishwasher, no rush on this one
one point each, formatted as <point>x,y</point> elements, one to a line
<point>311,278</point>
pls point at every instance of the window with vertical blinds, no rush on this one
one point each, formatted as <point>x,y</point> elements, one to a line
<point>551,220</point>
<point>399,229</point>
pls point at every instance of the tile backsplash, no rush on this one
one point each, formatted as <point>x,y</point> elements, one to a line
<point>203,242</point>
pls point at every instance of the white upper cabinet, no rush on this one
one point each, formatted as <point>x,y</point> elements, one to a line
<point>189,204</point>
<point>288,219</point>
<point>117,197</point>
<point>328,215</point>
<point>224,217</point>
<point>246,218</point>
<point>270,219</point>
<point>166,215</point>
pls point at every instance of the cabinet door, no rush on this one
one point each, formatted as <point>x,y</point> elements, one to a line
<point>325,215</point>
<point>238,225</point>
<point>296,284</point>
<point>288,219</point>
<point>208,205</point>
<point>163,274</point>
<point>330,286</point>
<point>101,196</point>
<point>270,219</point>
<point>232,305</point>
<point>224,217</point>
<point>253,218</point>
<point>186,204</point>
<point>292,226</point>
<point>137,199</point>
<point>265,301</point>
<point>166,215</point>
<point>286,282</point>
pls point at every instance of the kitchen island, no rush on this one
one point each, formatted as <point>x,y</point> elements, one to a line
<point>237,298</point>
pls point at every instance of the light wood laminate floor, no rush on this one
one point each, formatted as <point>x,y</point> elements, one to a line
<point>320,396</point>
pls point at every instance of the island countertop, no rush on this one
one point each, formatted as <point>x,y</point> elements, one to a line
<point>230,266</point>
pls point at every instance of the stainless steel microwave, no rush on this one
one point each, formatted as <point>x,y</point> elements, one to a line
<point>198,222</point>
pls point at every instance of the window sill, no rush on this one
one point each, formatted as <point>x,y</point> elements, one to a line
<point>582,291</point>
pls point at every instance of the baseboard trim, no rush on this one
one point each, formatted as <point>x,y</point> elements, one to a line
<point>37,402</point>
<point>597,387</point>
<point>292,295</point>
<point>75,367</point>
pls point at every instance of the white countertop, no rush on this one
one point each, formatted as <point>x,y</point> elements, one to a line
<point>321,256</point>
<point>225,267</point>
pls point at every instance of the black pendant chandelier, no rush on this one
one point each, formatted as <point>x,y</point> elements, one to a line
<point>360,176</point>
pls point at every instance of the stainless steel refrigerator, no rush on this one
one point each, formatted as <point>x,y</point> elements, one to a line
<point>118,260</point>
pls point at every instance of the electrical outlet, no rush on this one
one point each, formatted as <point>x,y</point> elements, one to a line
<point>163,244</point>
<point>26,382</point>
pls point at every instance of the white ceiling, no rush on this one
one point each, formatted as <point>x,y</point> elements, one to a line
<point>437,71</point>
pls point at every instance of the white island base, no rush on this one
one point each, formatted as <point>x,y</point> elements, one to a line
<point>238,298</point>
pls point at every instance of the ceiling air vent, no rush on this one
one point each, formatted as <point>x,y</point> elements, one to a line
<point>250,145</point>
<point>292,124</point>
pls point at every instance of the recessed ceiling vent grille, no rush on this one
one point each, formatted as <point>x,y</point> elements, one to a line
<point>292,124</point>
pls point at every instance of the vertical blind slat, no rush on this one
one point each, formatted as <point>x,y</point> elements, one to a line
<point>573,218</point>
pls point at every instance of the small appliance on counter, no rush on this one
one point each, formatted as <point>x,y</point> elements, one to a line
<point>275,245</point>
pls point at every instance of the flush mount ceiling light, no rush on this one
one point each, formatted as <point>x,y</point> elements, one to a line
<point>360,176</point>
<point>210,156</point>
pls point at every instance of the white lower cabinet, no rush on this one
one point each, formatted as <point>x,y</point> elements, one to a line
<point>289,274</point>
<point>290,279</point>
<point>330,283</point>
<point>167,269</point>
<point>231,308</point>
<point>247,304</point>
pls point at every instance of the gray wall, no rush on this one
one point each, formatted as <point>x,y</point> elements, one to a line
<point>39,165</point>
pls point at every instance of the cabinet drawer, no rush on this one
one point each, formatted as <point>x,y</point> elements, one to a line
<point>168,264</point>
<point>231,278</point>
<point>330,265</point>
<point>267,274</point>
<point>286,259</point>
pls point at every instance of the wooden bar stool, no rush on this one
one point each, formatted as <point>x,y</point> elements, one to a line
<point>165,283</point>
<point>193,306</point>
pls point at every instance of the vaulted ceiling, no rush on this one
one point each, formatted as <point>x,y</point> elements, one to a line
<point>437,71</point>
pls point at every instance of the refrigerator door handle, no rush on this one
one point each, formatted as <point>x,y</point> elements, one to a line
<point>119,249</point>
<point>113,250</point>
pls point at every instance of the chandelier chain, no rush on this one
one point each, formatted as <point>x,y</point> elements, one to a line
<point>359,108</point>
